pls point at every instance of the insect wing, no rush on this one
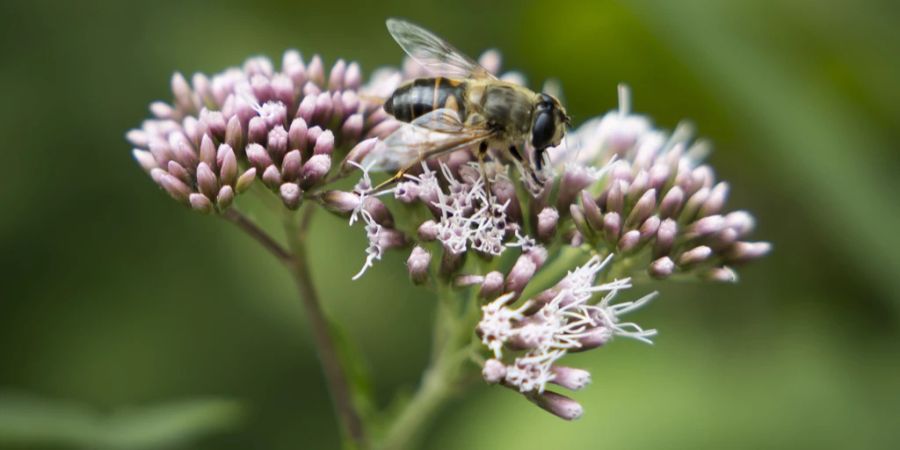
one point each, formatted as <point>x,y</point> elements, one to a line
<point>435,133</point>
<point>433,53</point>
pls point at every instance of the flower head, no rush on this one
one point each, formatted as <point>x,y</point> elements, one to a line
<point>526,341</point>
<point>285,127</point>
<point>656,199</point>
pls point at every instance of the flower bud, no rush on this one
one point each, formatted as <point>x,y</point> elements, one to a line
<point>291,195</point>
<point>428,231</point>
<point>493,371</point>
<point>665,237</point>
<point>746,251</point>
<point>720,274</point>
<point>692,206</point>
<point>336,76</point>
<point>547,221</point>
<point>570,378</point>
<point>324,108</point>
<point>208,151</point>
<point>277,142</point>
<point>257,131</point>
<point>316,70</point>
<point>182,92</point>
<point>340,202</point>
<point>741,221</point>
<point>611,227</point>
<point>638,186</point>
<point>492,285</point>
<point>591,211</point>
<point>379,212</point>
<point>225,197</point>
<point>315,169</point>
<point>659,175</point>
<point>291,165</point>
<point>505,191</point>
<point>324,143</point>
<point>358,154</point>
<point>642,209</point>
<point>716,200</point>
<point>228,168</point>
<point>576,178</point>
<point>282,89</point>
<point>234,134</point>
<point>307,108</point>
<point>200,203</point>
<point>245,180</point>
<point>206,180</point>
<point>297,134</point>
<point>558,405</point>
<point>705,226</point>
<point>649,228</point>
<point>695,256</point>
<point>593,338</point>
<point>178,171</point>
<point>520,274</point>
<point>671,203</point>
<point>579,220</point>
<point>272,177</point>
<point>417,265</point>
<point>258,157</point>
<point>352,127</point>
<point>615,197</point>
<point>629,240</point>
<point>175,187</point>
<point>661,268</point>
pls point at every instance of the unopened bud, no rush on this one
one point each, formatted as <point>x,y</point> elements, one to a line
<point>492,285</point>
<point>291,195</point>
<point>417,265</point>
<point>558,405</point>
<point>570,377</point>
<point>493,371</point>
<point>547,221</point>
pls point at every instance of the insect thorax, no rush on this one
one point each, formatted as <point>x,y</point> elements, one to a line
<point>509,108</point>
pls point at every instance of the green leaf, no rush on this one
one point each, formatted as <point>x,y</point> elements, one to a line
<point>29,420</point>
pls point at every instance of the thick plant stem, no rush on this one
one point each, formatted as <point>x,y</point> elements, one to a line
<point>335,376</point>
<point>440,381</point>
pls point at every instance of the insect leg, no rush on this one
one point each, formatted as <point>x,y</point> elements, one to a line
<point>397,177</point>
<point>488,189</point>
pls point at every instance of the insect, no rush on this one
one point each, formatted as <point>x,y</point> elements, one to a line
<point>465,106</point>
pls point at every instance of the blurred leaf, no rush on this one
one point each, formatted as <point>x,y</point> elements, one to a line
<point>31,420</point>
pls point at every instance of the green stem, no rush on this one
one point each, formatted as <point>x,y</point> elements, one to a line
<point>441,381</point>
<point>336,379</point>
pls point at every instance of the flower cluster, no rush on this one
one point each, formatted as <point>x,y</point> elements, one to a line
<point>630,197</point>
<point>527,340</point>
<point>658,205</point>
<point>284,127</point>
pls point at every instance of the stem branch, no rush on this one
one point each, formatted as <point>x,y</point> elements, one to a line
<point>338,385</point>
<point>441,380</point>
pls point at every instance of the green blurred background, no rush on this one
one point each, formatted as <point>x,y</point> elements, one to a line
<point>127,321</point>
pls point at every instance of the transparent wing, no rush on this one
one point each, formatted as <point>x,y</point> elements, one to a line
<point>434,53</point>
<point>435,133</point>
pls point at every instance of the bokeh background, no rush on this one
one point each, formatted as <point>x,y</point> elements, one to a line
<point>127,321</point>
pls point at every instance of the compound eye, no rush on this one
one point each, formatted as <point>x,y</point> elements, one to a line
<point>542,130</point>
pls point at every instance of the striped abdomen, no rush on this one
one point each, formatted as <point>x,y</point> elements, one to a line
<point>423,95</point>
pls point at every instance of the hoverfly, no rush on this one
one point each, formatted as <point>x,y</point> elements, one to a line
<point>465,106</point>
